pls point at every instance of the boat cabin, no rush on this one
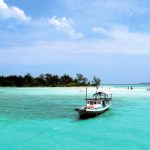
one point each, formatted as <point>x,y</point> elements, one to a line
<point>102,95</point>
<point>99,98</point>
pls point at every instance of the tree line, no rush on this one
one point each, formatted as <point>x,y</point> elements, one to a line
<point>47,80</point>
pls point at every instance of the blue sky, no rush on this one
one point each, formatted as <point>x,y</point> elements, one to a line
<point>106,38</point>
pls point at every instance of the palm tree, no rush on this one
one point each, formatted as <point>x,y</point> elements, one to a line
<point>81,80</point>
<point>96,81</point>
<point>66,79</point>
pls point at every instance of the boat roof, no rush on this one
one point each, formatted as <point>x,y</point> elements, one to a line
<point>102,93</point>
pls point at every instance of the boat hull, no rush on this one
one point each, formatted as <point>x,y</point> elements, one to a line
<point>83,113</point>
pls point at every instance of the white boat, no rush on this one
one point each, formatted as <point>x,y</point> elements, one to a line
<point>100,103</point>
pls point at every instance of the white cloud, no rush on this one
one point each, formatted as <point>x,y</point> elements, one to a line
<point>7,12</point>
<point>99,30</point>
<point>64,25</point>
<point>118,40</point>
<point>121,40</point>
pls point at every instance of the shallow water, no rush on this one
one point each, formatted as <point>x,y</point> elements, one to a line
<point>44,119</point>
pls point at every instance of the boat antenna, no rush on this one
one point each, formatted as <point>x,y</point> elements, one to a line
<point>96,91</point>
<point>86,92</point>
<point>96,88</point>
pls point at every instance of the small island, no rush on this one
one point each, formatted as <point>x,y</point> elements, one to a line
<point>47,80</point>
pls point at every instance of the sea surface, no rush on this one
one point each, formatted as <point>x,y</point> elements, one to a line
<point>44,119</point>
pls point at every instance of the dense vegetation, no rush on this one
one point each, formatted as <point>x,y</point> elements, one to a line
<point>48,80</point>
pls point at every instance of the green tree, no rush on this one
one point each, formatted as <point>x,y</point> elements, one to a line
<point>48,78</point>
<point>96,81</point>
<point>81,80</point>
<point>66,80</point>
<point>55,80</point>
<point>41,80</point>
<point>28,80</point>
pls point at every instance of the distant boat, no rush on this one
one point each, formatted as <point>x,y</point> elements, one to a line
<point>100,103</point>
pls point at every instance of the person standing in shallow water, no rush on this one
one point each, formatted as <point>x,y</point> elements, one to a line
<point>148,89</point>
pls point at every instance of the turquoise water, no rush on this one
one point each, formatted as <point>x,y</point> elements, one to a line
<point>44,119</point>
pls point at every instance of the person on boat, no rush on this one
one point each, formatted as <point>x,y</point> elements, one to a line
<point>91,105</point>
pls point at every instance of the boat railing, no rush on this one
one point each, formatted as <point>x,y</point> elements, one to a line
<point>102,95</point>
<point>97,99</point>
